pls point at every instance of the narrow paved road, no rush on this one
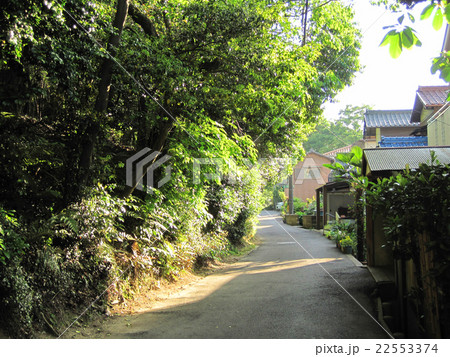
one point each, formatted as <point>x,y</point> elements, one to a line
<point>295,285</point>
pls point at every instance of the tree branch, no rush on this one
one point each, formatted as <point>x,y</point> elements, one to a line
<point>143,21</point>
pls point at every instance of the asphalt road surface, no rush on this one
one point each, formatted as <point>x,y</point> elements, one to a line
<point>296,284</point>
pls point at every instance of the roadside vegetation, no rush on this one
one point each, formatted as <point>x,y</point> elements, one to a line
<point>87,84</point>
<point>415,210</point>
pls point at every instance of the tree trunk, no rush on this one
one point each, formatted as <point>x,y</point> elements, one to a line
<point>101,103</point>
<point>143,21</point>
<point>305,23</point>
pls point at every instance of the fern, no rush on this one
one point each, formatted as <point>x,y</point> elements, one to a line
<point>65,219</point>
<point>71,223</point>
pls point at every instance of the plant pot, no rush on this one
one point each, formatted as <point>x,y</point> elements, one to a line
<point>347,250</point>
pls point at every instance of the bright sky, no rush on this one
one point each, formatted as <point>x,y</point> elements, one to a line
<point>388,83</point>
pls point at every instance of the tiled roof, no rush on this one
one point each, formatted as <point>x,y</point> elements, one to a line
<point>333,153</point>
<point>387,118</point>
<point>396,159</point>
<point>403,141</point>
<point>433,95</point>
<point>429,97</point>
<point>318,154</point>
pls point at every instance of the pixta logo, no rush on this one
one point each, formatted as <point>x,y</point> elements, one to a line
<point>309,170</point>
<point>143,164</point>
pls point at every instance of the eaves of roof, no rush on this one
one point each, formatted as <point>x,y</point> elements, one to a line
<point>318,154</point>
<point>428,97</point>
<point>396,159</point>
<point>344,149</point>
<point>388,118</point>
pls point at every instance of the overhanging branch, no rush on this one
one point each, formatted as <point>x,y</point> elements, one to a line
<point>143,21</point>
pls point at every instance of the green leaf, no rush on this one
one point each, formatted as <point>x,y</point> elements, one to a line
<point>344,157</point>
<point>388,37</point>
<point>438,19</point>
<point>436,64</point>
<point>426,13</point>
<point>395,48</point>
<point>357,155</point>
<point>408,37</point>
<point>400,19</point>
<point>411,17</point>
<point>445,74</point>
<point>447,12</point>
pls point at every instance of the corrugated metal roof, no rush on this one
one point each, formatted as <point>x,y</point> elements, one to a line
<point>403,141</point>
<point>396,159</point>
<point>387,118</point>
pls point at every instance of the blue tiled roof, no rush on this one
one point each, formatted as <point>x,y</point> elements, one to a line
<point>403,141</point>
<point>388,118</point>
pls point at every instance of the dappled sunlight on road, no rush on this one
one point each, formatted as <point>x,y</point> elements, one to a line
<point>270,267</point>
<point>213,283</point>
<point>268,218</point>
<point>263,227</point>
<point>273,287</point>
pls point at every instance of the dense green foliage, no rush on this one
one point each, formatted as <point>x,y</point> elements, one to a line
<point>346,130</point>
<point>86,84</point>
<point>304,208</point>
<point>348,165</point>
<point>301,208</point>
<point>415,203</point>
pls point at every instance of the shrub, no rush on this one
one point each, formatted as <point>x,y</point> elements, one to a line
<point>17,300</point>
<point>12,242</point>
<point>304,208</point>
<point>339,231</point>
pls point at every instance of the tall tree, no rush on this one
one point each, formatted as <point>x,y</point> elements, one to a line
<point>346,130</point>
<point>101,102</point>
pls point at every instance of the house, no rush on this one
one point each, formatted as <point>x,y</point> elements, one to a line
<point>429,99</point>
<point>438,124</point>
<point>438,127</point>
<point>431,113</point>
<point>395,278</point>
<point>387,123</point>
<point>309,174</point>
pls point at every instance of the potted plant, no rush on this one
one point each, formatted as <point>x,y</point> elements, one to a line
<point>336,234</point>
<point>327,231</point>
<point>346,245</point>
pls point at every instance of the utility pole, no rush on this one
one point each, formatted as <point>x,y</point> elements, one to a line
<point>291,195</point>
